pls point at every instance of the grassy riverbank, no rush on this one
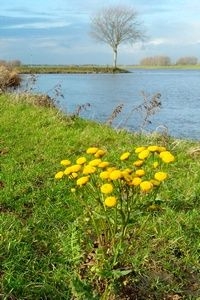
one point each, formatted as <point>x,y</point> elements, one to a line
<point>45,234</point>
<point>69,69</point>
<point>94,69</point>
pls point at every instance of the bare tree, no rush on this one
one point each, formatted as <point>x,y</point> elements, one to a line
<point>187,60</point>
<point>156,61</point>
<point>116,25</point>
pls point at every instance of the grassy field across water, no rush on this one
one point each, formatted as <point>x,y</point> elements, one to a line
<point>69,69</point>
<point>95,69</point>
<point>50,248</point>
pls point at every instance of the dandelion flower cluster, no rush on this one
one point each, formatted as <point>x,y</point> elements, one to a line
<point>138,171</point>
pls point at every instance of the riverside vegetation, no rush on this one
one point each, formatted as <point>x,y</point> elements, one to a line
<point>89,212</point>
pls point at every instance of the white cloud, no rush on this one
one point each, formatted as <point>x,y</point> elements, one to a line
<point>38,25</point>
<point>158,41</point>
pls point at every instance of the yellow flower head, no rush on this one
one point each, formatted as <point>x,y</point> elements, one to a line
<point>167,157</point>
<point>82,180</point>
<point>125,155</point>
<point>126,175</point>
<point>74,175</point>
<point>65,162</point>
<point>81,160</point>
<point>103,164</point>
<point>140,172</point>
<point>100,153</point>
<point>136,181</point>
<point>92,150</point>
<point>116,174</point>
<point>104,175</point>
<point>146,186</point>
<point>153,148</point>
<point>107,188</point>
<point>88,170</point>
<point>68,171</point>
<point>140,149</point>
<point>155,164</point>
<point>143,154</point>
<point>75,168</point>
<point>160,176</point>
<point>138,163</point>
<point>95,162</point>
<point>110,169</point>
<point>127,171</point>
<point>110,201</point>
<point>161,149</point>
<point>59,175</point>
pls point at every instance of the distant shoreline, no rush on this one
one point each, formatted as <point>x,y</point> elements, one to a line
<point>95,69</point>
<point>65,69</point>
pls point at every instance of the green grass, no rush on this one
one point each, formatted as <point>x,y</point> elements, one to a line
<point>90,69</point>
<point>42,229</point>
<point>68,69</point>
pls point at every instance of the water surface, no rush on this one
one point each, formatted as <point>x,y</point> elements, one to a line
<point>179,89</point>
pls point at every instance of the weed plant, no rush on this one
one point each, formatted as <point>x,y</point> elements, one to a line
<point>49,247</point>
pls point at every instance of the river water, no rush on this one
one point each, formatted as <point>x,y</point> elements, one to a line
<point>179,114</point>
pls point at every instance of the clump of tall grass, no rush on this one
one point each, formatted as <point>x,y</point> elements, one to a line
<point>34,99</point>
<point>9,78</point>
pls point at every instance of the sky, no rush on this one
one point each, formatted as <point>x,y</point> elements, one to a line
<point>57,31</point>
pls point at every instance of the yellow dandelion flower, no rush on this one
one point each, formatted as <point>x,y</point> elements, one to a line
<point>82,180</point>
<point>74,175</point>
<point>155,164</point>
<point>110,201</point>
<point>127,177</point>
<point>59,175</point>
<point>128,170</point>
<point>125,155</point>
<point>160,176</point>
<point>104,175</point>
<point>161,149</point>
<point>143,154</point>
<point>167,157</point>
<point>68,171</point>
<point>153,148</point>
<point>146,186</point>
<point>100,153</point>
<point>95,162</point>
<point>75,168</point>
<point>126,174</point>
<point>81,160</point>
<point>92,150</point>
<point>140,172</point>
<point>140,149</point>
<point>116,174</point>
<point>88,170</point>
<point>103,164</point>
<point>65,162</point>
<point>106,188</point>
<point>138,163</point>
<point>110,169</point>
<point>136,181</point>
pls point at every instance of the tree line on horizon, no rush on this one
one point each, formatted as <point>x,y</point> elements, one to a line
<point>166,61</point>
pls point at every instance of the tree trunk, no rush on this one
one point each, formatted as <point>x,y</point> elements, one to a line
<point>115,58</point>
